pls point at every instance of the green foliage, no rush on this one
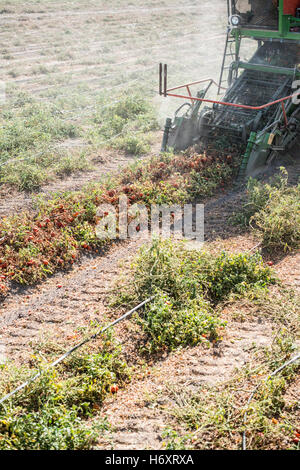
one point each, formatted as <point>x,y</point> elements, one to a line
<point>92,376</point>
<point>170,179</point>
<point>207,181</point>
<point>132,116</point>
<point>237,274</point>
<point>69,164</point>
<point>185,273</point>
<point>132,144</point>
<point>27,176</point>
<point>31,173</point>
<point>130,109</point>
<point>278,223</point>
<point>173,441</point>
<point>169,326</point>
<point>50,414</point>
<point>27,135</point>
<point>52,427</point>
<point>258,193</point>
<point>187,285</point>
<point>214,416</point>
<point>30,126</point>
<point>273,210</point>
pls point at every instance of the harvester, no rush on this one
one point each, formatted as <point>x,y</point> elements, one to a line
<point>259,108</point>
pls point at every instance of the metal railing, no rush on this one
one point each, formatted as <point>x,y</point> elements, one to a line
<point>165,91</point>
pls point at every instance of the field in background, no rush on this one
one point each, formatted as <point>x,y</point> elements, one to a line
<point>64,63</point>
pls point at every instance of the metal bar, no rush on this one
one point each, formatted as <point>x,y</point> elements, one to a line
<point>166,135</point>
<point>280,22</point>
<point>160,78</point>
<point>266,68</point>
<point>228,8</point>
<point>165,79</point>
<point>190,94</point>
<point>234,105</point>
<point>261,34</point>
<point>224,60</point>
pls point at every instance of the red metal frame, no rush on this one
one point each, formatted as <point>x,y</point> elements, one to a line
<point>224,103</point>
<point>204,80</point>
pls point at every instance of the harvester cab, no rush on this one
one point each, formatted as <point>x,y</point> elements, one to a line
<point>260,108</point>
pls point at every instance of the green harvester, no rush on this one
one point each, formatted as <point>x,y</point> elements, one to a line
<point>259,108</point>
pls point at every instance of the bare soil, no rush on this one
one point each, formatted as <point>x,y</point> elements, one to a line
<point>138,413</point>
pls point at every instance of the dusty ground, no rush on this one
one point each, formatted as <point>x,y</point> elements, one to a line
<point>138,414</point>
<point>70,53</point>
